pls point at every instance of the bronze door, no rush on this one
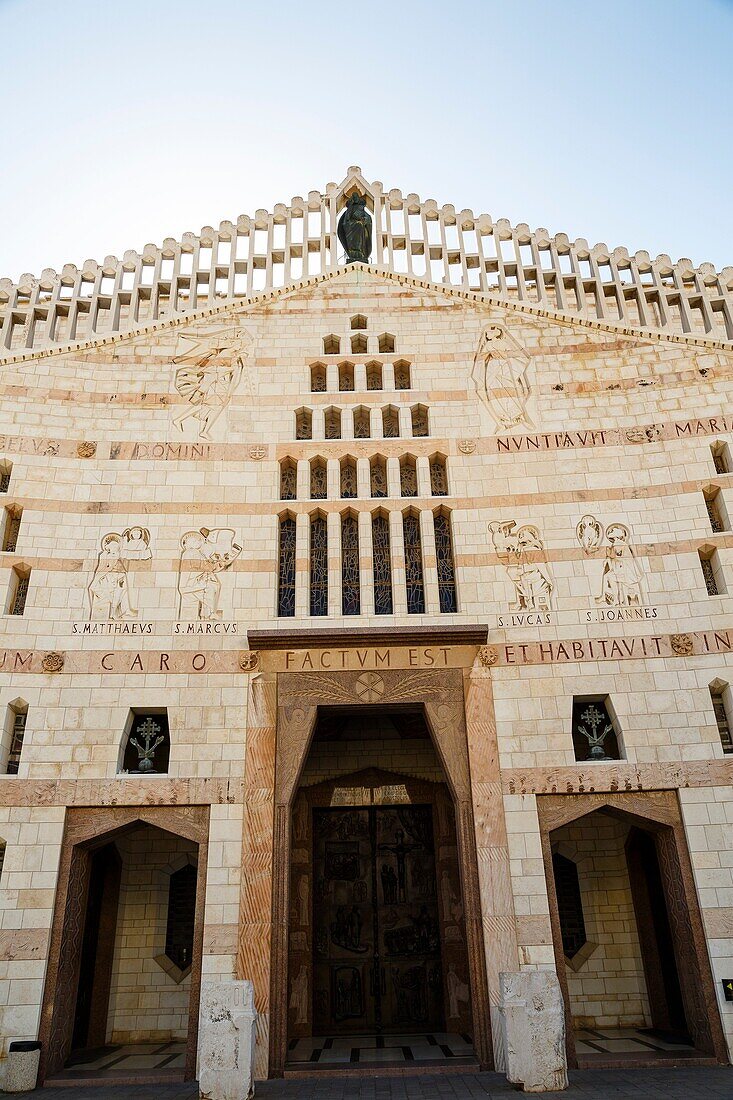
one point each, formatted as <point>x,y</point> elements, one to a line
<point>376,963</point>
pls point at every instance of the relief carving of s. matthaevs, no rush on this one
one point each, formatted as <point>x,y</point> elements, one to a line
<point>499,374</point>
<point>109,591</point>
<point>212,365</point>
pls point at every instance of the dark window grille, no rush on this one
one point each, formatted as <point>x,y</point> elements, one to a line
<point>382,565</point>
<point>408,477</point>
<point>181,916</point>
<point>414,581</point>
<point>319,480</point>
<point>319,566</point>
<point>304,424</point>
<point>374,376</point>
<point>362,426</point>
<point>378,477</point>
<point>4,482</point>
<point>318,378</point>
<point>348,479</point>
<point>12,530</point>
<point>569,905</point>
<point>346,377</point>
<point>419,421</point>
<point>333,424</point>
<point>20,593</point>
<point>350,586</point>
<point>438,477</point>
<point>444,561</point>
<point>708,572</point>
<point>390,423</point>
<point>288,480</point>
<point>402,376</point>
<point>720,459</point>
<point>286,568</point>
<point>16,743</point>
<point>721,717</point>
<point>716,520</point>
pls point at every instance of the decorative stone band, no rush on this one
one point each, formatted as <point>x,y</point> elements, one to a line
<point>372,658</point>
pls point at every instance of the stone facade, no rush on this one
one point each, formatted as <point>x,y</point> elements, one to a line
<point>585,461</point>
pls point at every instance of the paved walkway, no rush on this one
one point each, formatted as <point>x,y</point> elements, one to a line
<point>686,1083</point>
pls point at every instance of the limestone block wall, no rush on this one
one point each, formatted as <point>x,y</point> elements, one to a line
<point>145,1003</point>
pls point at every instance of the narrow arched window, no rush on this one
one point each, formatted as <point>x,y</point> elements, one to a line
<point>408,476</point>
<point>20,579</point>
<point>319,479</point>
<point>288,479</point>
<point>286,568</point>
<point>414,580</point>
<point>402,375</point>
<point>318,565</point>
<point>374,376</point>
<point>359,344</point>
<point>438,476</point>
<point>11,528</point>
<point>318,378</point>
<point>6,469</point>
<point>378,476</point>
<point>348,478</point>
<point>359,321</point>
<point>362,424</point>
<point>14,733</point>
<point>346,376</point>
<point>304,424</point>
<point>386,342</point>
<point>331,344</point>
<point>390,422</point>
<point>444,561</point>
<point>332,422</point>
<point>382,564</point>
<point>419,416</point>
<point>350,586</point>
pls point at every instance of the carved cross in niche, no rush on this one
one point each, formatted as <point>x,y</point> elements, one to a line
<point>147,731</point>
<point>401,850</point>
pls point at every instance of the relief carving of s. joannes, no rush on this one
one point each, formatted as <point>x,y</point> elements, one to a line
<point>621,575</point>
<point>210,365</point>
<point>499,375</point>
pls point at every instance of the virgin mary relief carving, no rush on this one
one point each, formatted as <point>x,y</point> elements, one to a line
<point>500,376</point>
<point>212,363</point>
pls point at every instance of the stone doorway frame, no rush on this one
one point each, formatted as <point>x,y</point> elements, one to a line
<point>658,813</point>
<point>440,694</point>
<point>85,830</point>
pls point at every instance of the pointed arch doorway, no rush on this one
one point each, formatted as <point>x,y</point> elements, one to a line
<point>376,913</point>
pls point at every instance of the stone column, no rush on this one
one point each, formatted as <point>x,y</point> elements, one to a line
<point>532,1015</point>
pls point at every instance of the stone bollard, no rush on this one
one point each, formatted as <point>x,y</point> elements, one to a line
<point>533,1015</point>
<point>226,1040</point>
<point>21,1066</point>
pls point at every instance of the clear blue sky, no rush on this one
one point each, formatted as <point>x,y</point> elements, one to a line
<point>127,122</point>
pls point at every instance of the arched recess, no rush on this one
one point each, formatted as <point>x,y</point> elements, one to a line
<point>441,695</point>
<point>656,815</point>
<point>87,832</point>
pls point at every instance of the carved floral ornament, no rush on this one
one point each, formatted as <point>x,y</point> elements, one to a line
<point>487,656</point>
<point>467,446</point>
<point>52,662</point>
<point>681,644</point>
<point>249,660</point>
<point>87,449</point>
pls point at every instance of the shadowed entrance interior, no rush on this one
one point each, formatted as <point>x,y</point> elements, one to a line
<point>378,968</point>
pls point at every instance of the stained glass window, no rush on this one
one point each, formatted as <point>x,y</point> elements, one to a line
<point>374,376</point>
<point>346,376</point>
<point>414,582</point>
<point>402,375</point>
<point>318,378</point>
<point>444,562</point>
<point>419,420</point>
<point>286,568</point>
<point>390,422</point>
<point>333,423</point>
<point>408,476</point>
<point>438,476</point>
<point>303,424</point>
<point>319,479</point>
<point>378,476</point>
<point>382,565</point>
<point>362,426</point>
<point>319,566</point>
<point>288,479</point>
<point>350,589</point>
<point>348,478</point>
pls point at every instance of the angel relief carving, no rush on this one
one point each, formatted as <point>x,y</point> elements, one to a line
<point>109,591</point>
<point>522,552</point>
<point>499,374</point>
<point>212,363</point>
